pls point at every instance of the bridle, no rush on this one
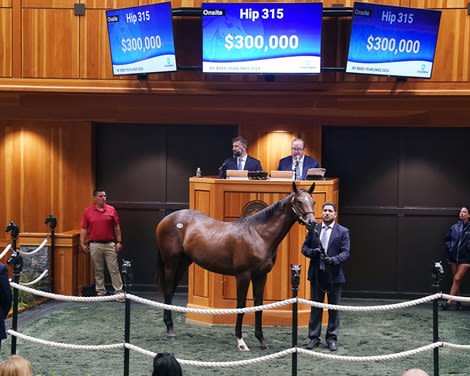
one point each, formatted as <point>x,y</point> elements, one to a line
<point>300,216</point>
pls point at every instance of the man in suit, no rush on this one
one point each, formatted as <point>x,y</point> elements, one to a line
<point>327,252</point>
<point>240,160</point>
<point>5,300</point>
<point>298,162</point>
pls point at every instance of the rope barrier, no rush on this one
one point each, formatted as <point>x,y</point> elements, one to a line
<point>207,311</point>
<point>64,345</point>
<point>44,273</point>
<point>373,358</point>
<point>280,354</point>
<point>220,311</point>
<point>41,246</point>
<point>5,251</point>
<point>385,307</point>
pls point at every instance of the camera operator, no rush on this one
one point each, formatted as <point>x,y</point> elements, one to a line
<point>327,252</point>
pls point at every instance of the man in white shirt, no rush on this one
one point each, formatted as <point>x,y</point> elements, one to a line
<point>240,159</point>
<point>297,162</point>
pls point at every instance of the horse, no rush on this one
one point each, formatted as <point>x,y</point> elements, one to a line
<point>245,248</point>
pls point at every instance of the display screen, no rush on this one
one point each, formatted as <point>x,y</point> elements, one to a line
<point>392,41</point>
<point>261,37</point>
<point>141,39</point>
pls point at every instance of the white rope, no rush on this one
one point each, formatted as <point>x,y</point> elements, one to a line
<point>220,311</point>
<point>5,251</point>
<point>67,297</point>
<point>456,298</point>
<point>44,273</point>
<point>41,246</point>
<point>65,345</point>
<point>236,363</point>
<point>385,307</point>
<point>208,311</point>
<point>373,358</point>
<point>455,346</point>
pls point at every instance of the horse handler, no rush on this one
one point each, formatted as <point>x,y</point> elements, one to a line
<point>325,273</point>
<point>100,235</point>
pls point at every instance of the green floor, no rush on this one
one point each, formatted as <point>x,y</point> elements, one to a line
<point>361,334</point>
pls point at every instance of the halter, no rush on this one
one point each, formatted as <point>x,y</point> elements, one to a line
<point>300,216</point>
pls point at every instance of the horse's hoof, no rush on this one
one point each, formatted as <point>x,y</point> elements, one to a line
<point>171,335</point>
<point>264,346</point>
<point>242,345</point>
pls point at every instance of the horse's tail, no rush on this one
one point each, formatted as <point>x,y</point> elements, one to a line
<point>160,275</point>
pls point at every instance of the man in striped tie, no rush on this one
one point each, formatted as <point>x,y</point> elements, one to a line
<point>327,252</point>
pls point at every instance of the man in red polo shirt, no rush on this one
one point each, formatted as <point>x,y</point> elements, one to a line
<point>100,236</point>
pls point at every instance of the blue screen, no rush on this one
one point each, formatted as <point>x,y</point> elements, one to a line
<point>392,41</point>
<point>261,37</point>
<point>141,39</point>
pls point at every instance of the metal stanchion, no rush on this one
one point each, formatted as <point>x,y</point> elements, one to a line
<point>437,274</point>
<point>295,274</point>
<point>127,279</point>
<point>52,221</point>
<point>17,261</point>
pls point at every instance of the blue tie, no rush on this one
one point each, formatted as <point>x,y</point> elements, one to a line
<point>239,164</point>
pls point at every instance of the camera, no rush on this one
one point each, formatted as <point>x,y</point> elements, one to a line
<point>51,221</point>
<point>437,272</point>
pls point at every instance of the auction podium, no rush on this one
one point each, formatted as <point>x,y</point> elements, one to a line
<point>228,200</point>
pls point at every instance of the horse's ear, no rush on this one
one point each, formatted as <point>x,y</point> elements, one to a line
<point>312,187</point>
<point>294,187</point>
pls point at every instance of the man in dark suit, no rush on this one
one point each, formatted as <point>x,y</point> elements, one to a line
<point>240,160</point>
<point>5,300</point>
<point>327,252</point>
<point>298,162</point>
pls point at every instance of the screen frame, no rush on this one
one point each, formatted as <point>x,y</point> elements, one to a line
<point>142,75</point>
<point>266,73</point>
<point>399,77</point>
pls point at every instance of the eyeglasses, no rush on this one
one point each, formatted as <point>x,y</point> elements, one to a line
<point>297,149</point>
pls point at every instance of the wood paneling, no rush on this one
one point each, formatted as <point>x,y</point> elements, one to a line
<point>47,169</point>
<point>270,143</point>
<point>111,4</point>
<point>95,56</point>
<point>453,51</point>
<point>6,47</point>
<point>48,4</point>
<point>50,43</point>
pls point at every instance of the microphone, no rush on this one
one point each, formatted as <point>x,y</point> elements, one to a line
<point>237,153</point>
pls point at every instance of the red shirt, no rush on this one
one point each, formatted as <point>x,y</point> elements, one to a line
<point>100,224</point>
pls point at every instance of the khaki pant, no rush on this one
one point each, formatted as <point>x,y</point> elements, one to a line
<point>99,254</point>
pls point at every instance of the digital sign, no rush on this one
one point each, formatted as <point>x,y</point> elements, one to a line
<point>141,39</point>
<point>392,41</point>
<point>261,37</point>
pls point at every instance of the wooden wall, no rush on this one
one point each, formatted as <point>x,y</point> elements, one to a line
<point>56,82</point>
<point>45,169</point>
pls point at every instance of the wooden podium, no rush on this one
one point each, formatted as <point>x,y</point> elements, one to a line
<point>73,267</point>
<point>226,200</point>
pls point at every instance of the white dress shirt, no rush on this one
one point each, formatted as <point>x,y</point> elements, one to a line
<point>327,235</point>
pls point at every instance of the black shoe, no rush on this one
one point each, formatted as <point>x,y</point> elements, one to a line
<point>444,306</point>
<point>333,346</point>
<point>313,343</point>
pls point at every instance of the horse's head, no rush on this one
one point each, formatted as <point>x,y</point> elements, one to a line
<point>302,205</point>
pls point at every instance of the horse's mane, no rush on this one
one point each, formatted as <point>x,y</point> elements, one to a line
<point>262,216</point>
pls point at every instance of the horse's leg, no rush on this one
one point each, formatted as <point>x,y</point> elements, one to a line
<point>258,289</point>
<point>168,291</point>
<point>243,281</point>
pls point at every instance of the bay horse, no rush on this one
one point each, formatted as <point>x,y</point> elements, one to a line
<point>245,248</point>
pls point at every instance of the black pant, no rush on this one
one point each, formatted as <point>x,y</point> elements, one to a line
<point>317,294</point>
